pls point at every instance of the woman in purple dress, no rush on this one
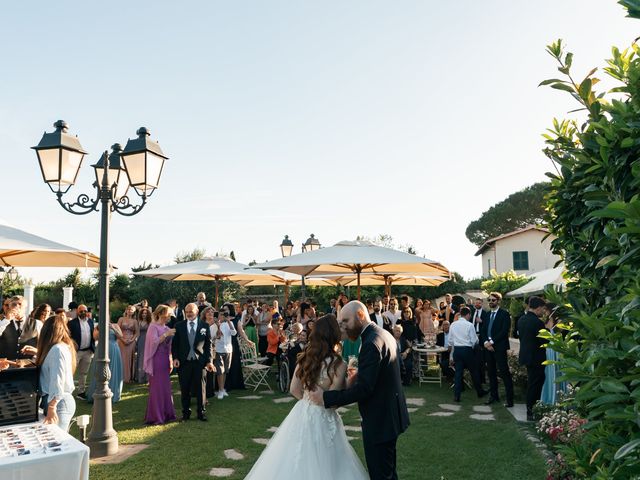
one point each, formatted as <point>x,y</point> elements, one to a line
<point>157,364</point>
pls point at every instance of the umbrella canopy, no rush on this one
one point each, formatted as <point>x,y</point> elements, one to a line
<point>23,249</point>
<point>375,279</point>
<point>213,269</point>
<point>539,280</point>
<point>357,257</point>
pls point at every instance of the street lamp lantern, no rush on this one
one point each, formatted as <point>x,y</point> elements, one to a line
<point>311,244</point>
<point>116,174</point>
<point>60,156</point>
<point>143,161</point>
<point>139,164</point>
<point>286,247</point>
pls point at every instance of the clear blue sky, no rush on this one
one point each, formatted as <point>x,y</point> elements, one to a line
<point>408,118</point>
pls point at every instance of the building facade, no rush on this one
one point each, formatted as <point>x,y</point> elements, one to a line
<point>525,251</point>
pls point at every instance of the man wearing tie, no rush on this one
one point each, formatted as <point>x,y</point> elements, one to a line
<point>477,316</point>
<point>494,335</point>
<point>18,336</point>
<point>191,350</point>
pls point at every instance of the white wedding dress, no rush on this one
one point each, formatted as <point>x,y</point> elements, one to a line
<point>310,444</point>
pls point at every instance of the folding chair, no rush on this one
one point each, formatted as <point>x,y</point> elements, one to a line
<point>255,373</point>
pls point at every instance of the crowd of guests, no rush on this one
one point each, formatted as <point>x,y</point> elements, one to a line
<point>202,345</point>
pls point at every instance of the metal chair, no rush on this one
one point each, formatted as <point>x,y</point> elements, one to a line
<point>255,373</point>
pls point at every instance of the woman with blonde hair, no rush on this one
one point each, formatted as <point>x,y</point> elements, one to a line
<point>130,332</point>
<point>57,362</point>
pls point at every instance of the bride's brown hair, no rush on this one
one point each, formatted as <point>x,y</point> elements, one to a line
<point>322,344</point>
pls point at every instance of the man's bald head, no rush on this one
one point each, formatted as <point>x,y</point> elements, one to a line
<point>354,316</point>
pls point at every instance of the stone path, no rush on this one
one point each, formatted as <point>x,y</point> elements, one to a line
<point>441,414</point>
<point>221,472</point>
<point>349,428</point>
<point>261,441</point>
<point>283,400</point>
<point>412,409</point>
<point>233,454</point>
<point>519,412</point>
<point>450,407</point>
<point>482,416</point>
<point>417,402</point>
<point>342,409</point>
<point>251,397</point>
<point>272,429</point>
<point>482,409</point>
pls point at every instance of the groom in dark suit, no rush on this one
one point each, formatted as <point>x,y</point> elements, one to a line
<point>191,350</point>
<point>377,387</point>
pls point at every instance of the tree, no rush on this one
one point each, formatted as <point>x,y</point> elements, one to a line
<point>387,241</point>
<point>518,210</point>
<point>594,210</point>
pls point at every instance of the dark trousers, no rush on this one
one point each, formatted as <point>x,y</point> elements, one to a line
<point>381,459</point>
<point>192,377</point>
<point>478,353</point>
<point>407,374</point>
<point>535,381</point>
<point>262,345</point>
<point>463,358</point>
<point>497,365</point>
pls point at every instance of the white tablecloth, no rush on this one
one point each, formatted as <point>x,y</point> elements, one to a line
<point>70,464</point>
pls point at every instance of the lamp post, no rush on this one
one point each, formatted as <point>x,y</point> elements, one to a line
<point>286,247</point>
<point>139,166</point>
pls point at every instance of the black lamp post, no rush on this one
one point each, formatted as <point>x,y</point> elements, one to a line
<point>286,247</point>
<point>139,165</point>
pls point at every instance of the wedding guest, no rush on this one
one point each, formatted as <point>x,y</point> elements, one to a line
<point>392,313</point>
<point>208,316</point>
<point>177,315</point>
<point>532,352</point>
<point>385,303</point>
<point>275,336</point>
<point>296,346</point>
<point>201,302</point>
<point>494,336</point>
<point>115,365</point>
<point>5,308</point>
<point>143,317</point>
<point>477,317</point>
<point>222,331</point>
<point>552,370</point>
<point>462,339</point>
<point>57,362</point>
<point>412,333</point>
<point>405,302</point>
<point>42,312</point>
<point>81,329</point>
<point>406,354</point>
<point>379,318</point>
<point>235,379</point>
<point>157,365</point>
<point>419,305</point>
<point>306,313</point>
<point>72,310</point>
<point>130,333</point>
<point>249,322</point>
<point>425,319</point>
<point>449,311</point>
<point>264,325</point>
<point>18,336</point>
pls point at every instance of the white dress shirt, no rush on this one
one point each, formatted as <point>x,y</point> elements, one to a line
<point>223,344</point>
<point>56,377</point>
<point>393,316</point>
<point>462,334</point>
<point>477,315</point>
<point>85,334</point>
<point>4,323</point>
<point>379,319</point>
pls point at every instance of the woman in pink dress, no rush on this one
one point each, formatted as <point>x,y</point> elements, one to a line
<point>157,365</point>
<point>130,332</point>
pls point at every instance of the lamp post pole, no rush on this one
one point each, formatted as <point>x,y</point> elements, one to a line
<point>139,165</point>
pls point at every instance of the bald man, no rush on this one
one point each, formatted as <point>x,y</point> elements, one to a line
<point>377,388</point>
<point>81,330</point>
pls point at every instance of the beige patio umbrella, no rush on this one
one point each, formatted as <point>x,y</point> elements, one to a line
<point>213,269</point>
<point>287,279</point>
<point>19,248</point>
<point>388,280</point>
<point>356,257</point>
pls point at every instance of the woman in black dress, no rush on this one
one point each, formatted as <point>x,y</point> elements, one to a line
<point>235,379</point>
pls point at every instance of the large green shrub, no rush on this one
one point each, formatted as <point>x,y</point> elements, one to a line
<point>594,210</point>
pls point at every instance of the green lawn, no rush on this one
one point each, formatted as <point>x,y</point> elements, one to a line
<point>451,448</point>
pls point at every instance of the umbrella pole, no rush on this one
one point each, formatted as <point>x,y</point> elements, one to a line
<point>217,292</point>
<point>358,285</point>
<point>286,293</point>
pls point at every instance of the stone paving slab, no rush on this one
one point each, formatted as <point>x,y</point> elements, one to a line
<point>481,416</point>
<point>349,428</point>
<point>351,438</point>
<point>412,409</point>
<point>441,414</point>
<point>450,407</point>
<point>261,441</point>
<point>272,429</point>
<point>232,454</point>
<point>418,402</point>
<point>250,397</point>
<point>221,472</point>
<point>482,409</point>
<point>519,412</point>
<point>342,410</point>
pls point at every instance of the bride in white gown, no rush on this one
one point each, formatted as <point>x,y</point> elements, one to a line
<point>311,442</point>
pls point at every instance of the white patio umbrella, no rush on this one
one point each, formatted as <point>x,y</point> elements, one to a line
<point>23,249</point>
<point>356,257</point>
<point>539,280</point>
<point>388,280</point>
<point>213,269</point>
<point>287,279</point>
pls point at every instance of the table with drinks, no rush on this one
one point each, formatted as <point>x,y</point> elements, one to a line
<point>428,360</point>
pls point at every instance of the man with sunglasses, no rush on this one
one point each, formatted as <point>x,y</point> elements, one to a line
<point>81,331</point>
<point>494,336</point>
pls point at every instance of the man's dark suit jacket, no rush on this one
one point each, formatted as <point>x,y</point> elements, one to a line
<point>500,331</point>
<point>377,388</point>
<point>201,345</point>
<point>532,351</point>
<point>386,323</point>
<point>76,336</point>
